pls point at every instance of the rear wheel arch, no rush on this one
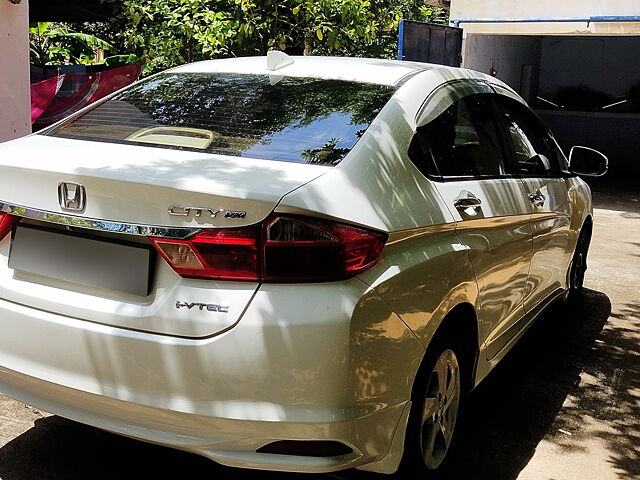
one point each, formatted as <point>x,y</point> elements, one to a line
<point>587,228</point>
<point>583,238</point>
<point>578,265</point>
<point>456,342</point>
<point>460,326</point>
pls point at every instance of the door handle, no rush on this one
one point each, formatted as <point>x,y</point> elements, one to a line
<point>466,200</point>
<point>537,199</point>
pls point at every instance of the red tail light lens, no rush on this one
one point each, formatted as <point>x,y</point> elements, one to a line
<point>303,250</point>
<point>230,254</point>
<point>285,248</point>
<point>6,223</point>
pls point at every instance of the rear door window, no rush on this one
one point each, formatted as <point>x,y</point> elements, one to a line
<point>304,120</point>
<point>464,141</point>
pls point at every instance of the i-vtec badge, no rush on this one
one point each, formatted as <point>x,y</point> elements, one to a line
<point>209,307</point>
<point>183,211</point>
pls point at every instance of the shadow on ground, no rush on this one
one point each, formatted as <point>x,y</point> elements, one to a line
<point>506,417</point>
<point>618,194</point>
<point>518,404</point>
<point>611,396</point>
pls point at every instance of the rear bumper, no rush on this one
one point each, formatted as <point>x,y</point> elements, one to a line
<point>227,441</point>
<point>223,397</point>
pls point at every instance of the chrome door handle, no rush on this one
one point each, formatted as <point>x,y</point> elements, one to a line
<point>466,200</point>
<point>537,199</point>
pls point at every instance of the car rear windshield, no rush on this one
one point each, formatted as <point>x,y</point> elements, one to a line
<point>304,120</point>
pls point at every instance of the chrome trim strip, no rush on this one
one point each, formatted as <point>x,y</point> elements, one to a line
<point>96,224</point>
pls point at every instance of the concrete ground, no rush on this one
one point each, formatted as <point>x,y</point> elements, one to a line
<point>564,405</point>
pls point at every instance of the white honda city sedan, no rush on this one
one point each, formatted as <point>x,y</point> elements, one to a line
<point>285,263</point>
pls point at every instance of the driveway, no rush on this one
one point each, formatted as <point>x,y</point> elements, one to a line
<point>564,405</point>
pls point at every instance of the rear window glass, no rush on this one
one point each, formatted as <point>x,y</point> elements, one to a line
<point>305,120</point>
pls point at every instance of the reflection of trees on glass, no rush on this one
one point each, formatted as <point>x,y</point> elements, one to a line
<point>295,119</point>
<point>329,154</point>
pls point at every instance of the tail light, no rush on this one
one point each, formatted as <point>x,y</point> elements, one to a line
<point>284,248</point>
<point>231,254</point>
<point>6,223</point>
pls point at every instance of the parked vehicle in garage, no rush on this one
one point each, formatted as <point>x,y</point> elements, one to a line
<point>297,263</point>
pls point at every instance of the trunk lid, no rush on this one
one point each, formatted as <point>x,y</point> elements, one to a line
<point>133,184</point>
<point>137,185</point>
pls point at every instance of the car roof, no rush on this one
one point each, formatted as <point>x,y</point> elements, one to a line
<point>366,70</point>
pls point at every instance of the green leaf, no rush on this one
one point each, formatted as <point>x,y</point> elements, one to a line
<point>39,28</point>
<point>319,34</point>
<point>117,60</point>
<point>91,40</point>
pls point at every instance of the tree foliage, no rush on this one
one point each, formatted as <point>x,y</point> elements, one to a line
<point>165,33</point>
<point>52,43</point>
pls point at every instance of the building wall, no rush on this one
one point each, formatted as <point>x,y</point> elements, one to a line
<point>546,8</point>
<point>514,60</point>
<point>15,97</point>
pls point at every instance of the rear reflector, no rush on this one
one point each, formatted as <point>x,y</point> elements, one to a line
<point>6,223</point>
<point>307,448</point>
<point>284,248</point>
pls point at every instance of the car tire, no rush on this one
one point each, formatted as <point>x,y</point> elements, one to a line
<point>436,400</point>
<point>578,269</point>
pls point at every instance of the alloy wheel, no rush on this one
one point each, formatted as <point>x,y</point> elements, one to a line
<point>440,409</point>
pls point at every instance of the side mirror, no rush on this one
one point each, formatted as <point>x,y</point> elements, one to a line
<point>588,162</point>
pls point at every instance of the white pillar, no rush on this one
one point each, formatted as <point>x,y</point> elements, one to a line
<point>15,96</point>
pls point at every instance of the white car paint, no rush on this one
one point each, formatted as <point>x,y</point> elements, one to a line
<point>319,361</point>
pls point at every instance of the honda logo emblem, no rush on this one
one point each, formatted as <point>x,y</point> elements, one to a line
<point>72,196</point>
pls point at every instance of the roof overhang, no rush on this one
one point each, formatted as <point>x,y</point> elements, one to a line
<point>69,11</point>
